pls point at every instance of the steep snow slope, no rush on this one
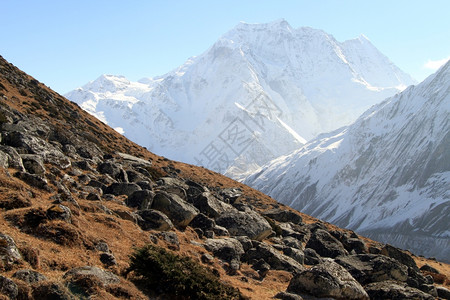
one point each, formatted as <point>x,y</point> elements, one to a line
<point>260,91</point>
<point>386,176</point>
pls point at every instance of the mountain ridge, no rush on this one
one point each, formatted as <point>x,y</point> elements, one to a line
<point>268,84</point>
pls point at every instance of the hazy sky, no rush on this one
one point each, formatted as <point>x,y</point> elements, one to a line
<point>65,43</point>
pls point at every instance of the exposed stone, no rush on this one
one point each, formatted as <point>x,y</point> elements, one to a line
<point>9,254</point>
<point>105,277</point>
<point>108,259</point>
<point>51,290</point>
<point>8,287</point>
<point>292,242</point>
<point>275,259</point>
<point>443,292</point>
<point>287,296</point>
<point>245,241</point>
<point>230,195</point>
<point>151,219</point>
<point>142,199</point>
<point>14,159</point>
<point>367,268</point>
<point>328,279</point>
<point>34,164</point>
<point>227,249</point>
<point>355,244</point>
<point>311,257</point>
<point>180,212</point>
<point>394,290</point>
<point>203,222</point>
<point>429,268</point>
<point>34,180</point>
<point>220,231</point>
<point>207,258</point>
<point>136,161</point>
<point>29,276</point>
<point>399,255</point>
<point>210,205</point>
<point>295,254</point>
<point>170,238</point>
<point>60,212</point>
<point>280,215</point>
<point>248,223</point>
<point>325,244</point>
<point>122,188</point>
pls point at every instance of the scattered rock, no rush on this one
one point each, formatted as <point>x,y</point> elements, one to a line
<point>29,276</point>
<point>151,219</point>
<point>311,257</point>
<point>142,199</point>
<point>60,212</point>
<point>443,292</point>
<point>180,212</point>
<point>429,268</point>
<point>209,205</point>
<point>287,296</point>
<point>34,164</point>
<point>9,254</point>
<point>170,238</point>
<point>248,223</point>
<point>105,277</point>
<point>227,249</point>
<point>8,287</point>
<point>399,255</point>
<point>122,188</point>
<point>367,268</point>
<point>280,215</point>
<point>51,290</point>
<point>394,290</point>
<point>325,244</point>
<point>202,222</point>
<point>108,259</point>
<point>328,279</point>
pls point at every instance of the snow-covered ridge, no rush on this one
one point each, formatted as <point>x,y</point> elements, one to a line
<point>387,175</point>
<point>259,92</point>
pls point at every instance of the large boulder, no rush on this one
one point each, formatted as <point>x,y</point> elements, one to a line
<point>29,276</point>
<point>150,219</point>
<point>142,199</point>
<point>325,244</point>
<point>105,277</point>
<point>228,249</point>
<point>34,164</point>
<point>8,287</point>
<point>248,223</point>
<point>327,280</point>
<point>210,205</point>
<point>122,188</point>
<point>9,254</point>
<point>282,215</point>
<point>275,259</point>
<point>179,211</point>
<point>14,159</point>
<point>394,290</point>
<point>399,255</point>
<point>367,268</point>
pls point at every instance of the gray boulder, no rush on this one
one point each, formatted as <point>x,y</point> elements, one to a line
<point>150,219</point>
<point>210,205</point>
<point>135,161</point>
<point>327,280</point>
<point>443,292</point>
<point>34,164</point>
<point>287,296</point>
<point>325,244</point>
<point>275,259</point>
<point>142,199</point>
<point>37,181</point>
<point>281,215</point>
<point>29,276</point>
<point>14,159</point>
<point>122,188</point>
<point>227,249</point>
<point>8,287</point>
<point>203,222</point>
<point>399,255</point>
<point>367,268</point>
<point>311,257</point>
<point>9,254</point>
<point>179,211</point>
<point>248,223</point>
<point>60,212</point>
<point>394,290</point>
<point>105,277</point>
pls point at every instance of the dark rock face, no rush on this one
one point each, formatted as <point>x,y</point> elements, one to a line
<point>248,223</point>
<point>429,268</point>
<point>210,205</point>
<point>327,279</point>
<point>325,244</point>
<point>394,290</point>
<point>153,219</point>
<point>287,296</point>
<point>60,212</point>
<point>122,188</point>
<point>367,268</point>
<point>399,255</point>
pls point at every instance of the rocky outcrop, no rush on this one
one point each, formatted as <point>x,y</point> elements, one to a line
<point>394,290</point>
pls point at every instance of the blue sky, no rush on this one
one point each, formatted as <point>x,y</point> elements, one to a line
<point>65,44</point>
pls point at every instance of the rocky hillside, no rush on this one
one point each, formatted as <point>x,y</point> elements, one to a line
<point>85,213</point>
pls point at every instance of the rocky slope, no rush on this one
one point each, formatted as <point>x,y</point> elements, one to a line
<point>76,198</point>
<point>385,176</point>
<point>259,92</point>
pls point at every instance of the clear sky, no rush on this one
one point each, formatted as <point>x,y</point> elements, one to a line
<point>66,43</point>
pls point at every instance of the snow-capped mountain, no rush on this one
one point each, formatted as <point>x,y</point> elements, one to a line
<point>259,92</point>
<point>386,176</point>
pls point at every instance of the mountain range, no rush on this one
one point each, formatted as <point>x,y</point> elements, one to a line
<point>386,176</point>
<point>260,91</point>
